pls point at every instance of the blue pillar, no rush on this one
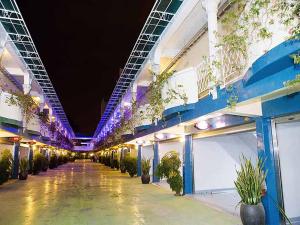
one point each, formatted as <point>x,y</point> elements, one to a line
<point>155,161</point>
<point>266,153</point>
<point>139,161</point>
<point>188,166</point>
<point>30,159</point>
<point>15,169</point>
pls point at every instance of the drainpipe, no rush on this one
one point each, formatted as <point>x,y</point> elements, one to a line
<point>139,161</point>
<point>15,170</point>
<point>211,7</point>
<point>155,162</point>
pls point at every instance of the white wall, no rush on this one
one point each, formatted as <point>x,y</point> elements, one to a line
<point>217,158</point>
<point>289,151</point>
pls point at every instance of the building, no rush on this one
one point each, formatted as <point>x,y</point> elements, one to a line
<point>31,116</point>
<point>214,80</point>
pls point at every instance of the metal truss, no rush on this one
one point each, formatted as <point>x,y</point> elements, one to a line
<point>160,16</point>
<point>13,23</point>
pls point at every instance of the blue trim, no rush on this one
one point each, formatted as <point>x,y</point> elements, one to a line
<point>139,161</point>
<point>155,161</point>
<point>188,166</point>
<point>277,59</point>
<point>266,153</point>
<point>141,128</point>
<point>174,111</point>
<point>282,106</point>
<point>15,169</point>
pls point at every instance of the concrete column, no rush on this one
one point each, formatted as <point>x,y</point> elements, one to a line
<point>139,161</point>
<point>155,162</point>
<point>15,168</point>
<point>266,152</point>
<point>30,159</point>
<point>188,166</point>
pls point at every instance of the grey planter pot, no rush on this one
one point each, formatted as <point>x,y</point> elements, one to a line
<point>252,214</point>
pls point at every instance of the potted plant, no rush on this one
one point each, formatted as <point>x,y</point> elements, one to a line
<point>53,161</point>
<point>23,174</point>
<point>249,184</point>
<point>146,165</point>
<point>169,168</point>
<point>122,166</point>
<point>5,166</point>
<point>131,165</point>
<point>45,163</point>
<point>37,163</point>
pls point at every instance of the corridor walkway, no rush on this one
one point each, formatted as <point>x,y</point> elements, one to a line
<point>84,193</point>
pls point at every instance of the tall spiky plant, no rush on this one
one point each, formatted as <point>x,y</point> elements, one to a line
<point>250,181</point>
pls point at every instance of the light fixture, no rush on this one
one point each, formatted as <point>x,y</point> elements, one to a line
<point>140,142</point>
<point>202,125</point>
<point>160,136</point>
<point>220,124</point>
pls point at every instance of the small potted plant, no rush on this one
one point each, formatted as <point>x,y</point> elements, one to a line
<point>249,184</point>
<point>53,161</point>
<point>37,163</point>
<point>169,168</point>
<point>45,163</point>
<point>23,166</point>
<point>146,165</point>
<point>131,165</point>
<point>122,166</point>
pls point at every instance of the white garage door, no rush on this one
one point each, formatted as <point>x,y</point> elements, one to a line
<point>288,136</point>
<point>217,158</point>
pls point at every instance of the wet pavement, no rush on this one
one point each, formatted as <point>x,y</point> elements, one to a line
<point>84,193</point>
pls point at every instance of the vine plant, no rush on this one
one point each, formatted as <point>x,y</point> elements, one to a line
<point>248,22</point>
<point>25,101</point>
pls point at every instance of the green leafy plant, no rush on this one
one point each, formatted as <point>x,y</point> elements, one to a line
<point>26,103</point>
<point>23,166</point>
<point>233,97</point>
<point>296,58</point>
<point>5,166</point>
<point>37,163</point>
<point>53,161</point>
<point>146,165</point>
<point>45,163</point>
<point>169,168</point>
<point>131,165</point>
<point>250,181</point>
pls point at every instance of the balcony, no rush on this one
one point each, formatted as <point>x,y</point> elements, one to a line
<point>34,125</point>
<point>11,112</point>
<point>184,83</point>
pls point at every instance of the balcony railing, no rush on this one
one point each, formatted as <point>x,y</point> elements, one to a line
<point>9,111</point>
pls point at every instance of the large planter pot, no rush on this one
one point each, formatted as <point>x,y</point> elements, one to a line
<point>23,176</point>
<point>252,214</point>
<point>123,170</point>
<point>145,179</point>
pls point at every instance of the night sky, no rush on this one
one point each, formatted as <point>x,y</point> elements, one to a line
<point>83,45</point>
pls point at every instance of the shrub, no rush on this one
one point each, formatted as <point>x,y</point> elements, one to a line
<point>131,165</point>
<point>53,161</point>
<point>5,166</point>
<point>122,166</point>
<point>45,163</point>
<point>23,166</point>
<point>169,168</point>
<point>37,163</point>
<point>116,164</point>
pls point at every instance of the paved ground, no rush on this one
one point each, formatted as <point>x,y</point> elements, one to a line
<point>86,193</point>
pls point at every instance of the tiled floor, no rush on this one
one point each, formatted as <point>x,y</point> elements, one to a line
<point>86,193</point>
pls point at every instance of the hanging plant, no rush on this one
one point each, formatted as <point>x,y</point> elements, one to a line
<point>26,103</point>
<point>296,58</point>
<point>233,97</point>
